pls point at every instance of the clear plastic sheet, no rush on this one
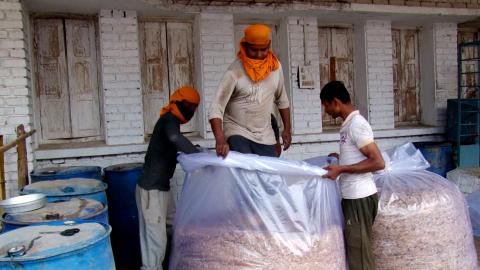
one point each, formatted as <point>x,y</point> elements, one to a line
<point>473,201</point>
<point>251,212</point>
<point>422,221</point>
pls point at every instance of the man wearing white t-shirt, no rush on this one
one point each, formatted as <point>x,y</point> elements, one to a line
<point>359,157</point>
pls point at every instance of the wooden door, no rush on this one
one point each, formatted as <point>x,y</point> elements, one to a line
<point>406,76</point>
<point>52,79</point>
<point>167,63</point>
<point>154,69</point>
<point>82,77</point>
<point>180,61</point>
<point>336,48</point>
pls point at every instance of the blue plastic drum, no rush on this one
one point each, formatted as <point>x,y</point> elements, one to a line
<point>74,209</point>
<point>47,247</point>
<point>122,180</point>
<point>439,155</point>
<point>71,188</point>
<point>53,173</point>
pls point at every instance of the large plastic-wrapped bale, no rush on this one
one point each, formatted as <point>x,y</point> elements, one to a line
<point>423,220</point>
<point>473,201</point>
<point>251,212</point>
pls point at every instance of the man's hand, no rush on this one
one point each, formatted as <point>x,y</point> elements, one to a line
<point>221,145</point>
<point>287,139</point>
<point>222,148</point>
<point>333,172</point>
<point>278,149</point>
<point>335,155</point>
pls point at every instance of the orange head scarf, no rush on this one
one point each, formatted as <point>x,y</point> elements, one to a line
<point>257,70</point>
<point>185,93</point>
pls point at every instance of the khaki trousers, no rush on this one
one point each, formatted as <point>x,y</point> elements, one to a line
<point>155,209</point>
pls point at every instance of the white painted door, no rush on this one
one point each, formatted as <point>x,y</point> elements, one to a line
<point>154,71</point>
<point>82,76</point>
<point>406,76</point>
<point>336,63</point>
<point>180,61</point>
<point>52,79</point>
<point>167,63</point>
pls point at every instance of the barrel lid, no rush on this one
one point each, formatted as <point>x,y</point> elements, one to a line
<point>36,244</point>
<point>65,170</point>
<point>74,208</point>
<point>66,187</point>
<point>124,167</point>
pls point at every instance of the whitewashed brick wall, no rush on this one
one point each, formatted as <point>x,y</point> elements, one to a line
<point>303,50</point>
<point>15,93</point>
<point>123,110</point>
<point>445,40</point>
<point>217,52</point>
<point>379,66</point>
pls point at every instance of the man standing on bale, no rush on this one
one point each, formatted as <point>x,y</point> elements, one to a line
<point>359,157</point>
<point>153,189</point>
<point>240,115</point>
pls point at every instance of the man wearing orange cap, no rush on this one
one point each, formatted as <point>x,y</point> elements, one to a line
<point>153,187</point>
<point>241,112</point>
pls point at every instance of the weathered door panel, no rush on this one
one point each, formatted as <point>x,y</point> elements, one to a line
<point>82,75</point>
<point>336,48</point>
<point>180,61</point>
<point>52,79</point>
<point>154,69</point>
<point>406,76</point>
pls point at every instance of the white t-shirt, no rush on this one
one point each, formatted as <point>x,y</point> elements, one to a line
<point>355,134</point>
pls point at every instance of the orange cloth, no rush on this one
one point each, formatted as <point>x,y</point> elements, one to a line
<point>185,93</point>
<point>257,34</point>
<point>257,70</point>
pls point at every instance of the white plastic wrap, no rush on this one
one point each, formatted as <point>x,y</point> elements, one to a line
<point>251,212</point>
<point>422,222</point>
<point>474,209</point>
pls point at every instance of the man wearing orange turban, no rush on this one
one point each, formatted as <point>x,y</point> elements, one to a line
<point>153,187</point>
<point>240,115</point>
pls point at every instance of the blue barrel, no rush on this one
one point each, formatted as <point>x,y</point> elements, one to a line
<point>31,248</point>
<point>74,209</point>
<point>70,188</point>
<point>122,180</point>
<point>439,155</point>
<point>54,173</point>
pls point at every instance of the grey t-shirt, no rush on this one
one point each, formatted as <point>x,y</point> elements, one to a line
<point>161,157</point>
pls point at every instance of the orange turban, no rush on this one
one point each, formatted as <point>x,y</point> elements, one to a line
<point>257,34</point>
<point>185,93</point>
<point>257,69</point>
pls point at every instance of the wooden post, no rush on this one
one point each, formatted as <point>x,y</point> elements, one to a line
<point>2,172</point>
<point>22,162</point>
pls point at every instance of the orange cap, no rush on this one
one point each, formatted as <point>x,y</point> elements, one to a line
<point>185,93</point>
<point>257,34</point>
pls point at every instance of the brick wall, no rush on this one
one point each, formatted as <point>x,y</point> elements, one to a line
<point>421,3</point>
<point>378,38</point>
<point>216,53</point>
<point>445,42</point>
<point>123,111</point>
<point>284,3</point>
<point>15,93</point>
<point>303,51</point>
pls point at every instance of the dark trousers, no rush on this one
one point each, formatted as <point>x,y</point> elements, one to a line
<point>246,146</point>
<point>359,215</point>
